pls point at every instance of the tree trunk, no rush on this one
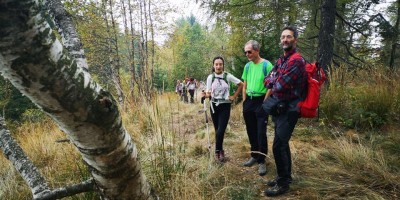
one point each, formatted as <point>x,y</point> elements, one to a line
<point>113,56</point>
<point>37,64</point>
<point>66,29</point>
<point>22,163</point>
<point>116,64</point>
<point>131,51</point>
<point>326,32</point>
<point>395,38</point>
<point>142,88</point>
<point>152,48</point>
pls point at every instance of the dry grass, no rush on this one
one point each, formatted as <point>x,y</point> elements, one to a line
<point>329,161</point>
<point>59,163</point>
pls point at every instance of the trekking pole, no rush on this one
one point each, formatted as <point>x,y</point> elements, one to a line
<point>208,131</point>
<point>206,117</point>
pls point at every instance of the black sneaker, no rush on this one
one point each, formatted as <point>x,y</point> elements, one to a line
<point>272,183</point>
<point>276,190</point>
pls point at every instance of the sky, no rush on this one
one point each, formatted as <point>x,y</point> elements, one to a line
<point>187,7</point>
<point>184,9</point>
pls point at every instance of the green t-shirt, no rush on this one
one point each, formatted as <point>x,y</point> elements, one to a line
<point>254,78</point>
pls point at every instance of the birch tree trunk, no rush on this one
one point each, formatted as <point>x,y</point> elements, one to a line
<point>395,37</point>
<point>22,163</point>
<point>66,28</point>
<point>152,48</point>
<point>129,39</point>
<point>37,64</point>
<point>142,50</point>
<point>113,56</point>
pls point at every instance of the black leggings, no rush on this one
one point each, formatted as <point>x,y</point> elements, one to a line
<point>220,119</point>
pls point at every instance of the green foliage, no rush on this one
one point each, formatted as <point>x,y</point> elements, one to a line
<point>241,193</point>
<point>358,104</point>
<point>191,48</point>
<point>12,103</point>
<point>160,81</point>
<point>33,115</point>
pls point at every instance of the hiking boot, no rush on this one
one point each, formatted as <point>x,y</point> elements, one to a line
<point>250,162</point>
<point>276,190</point>
<point>272,183</point>
<point>262,169</point>
<point>217,156</point>
<point>222,156</point>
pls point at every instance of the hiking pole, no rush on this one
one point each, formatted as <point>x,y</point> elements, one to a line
<point>203,101</point>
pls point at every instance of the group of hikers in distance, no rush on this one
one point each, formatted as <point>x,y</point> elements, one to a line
<point>268,91</point>
<point>188,85</point>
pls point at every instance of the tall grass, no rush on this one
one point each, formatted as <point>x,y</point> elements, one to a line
<point>347,170</point>
<point>363,99</point>
<point>59,163</point>
<point>172,141</point>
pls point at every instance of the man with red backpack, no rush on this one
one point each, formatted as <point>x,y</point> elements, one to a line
<point>287,84</point>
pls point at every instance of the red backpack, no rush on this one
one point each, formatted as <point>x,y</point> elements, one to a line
<point>316,78</point>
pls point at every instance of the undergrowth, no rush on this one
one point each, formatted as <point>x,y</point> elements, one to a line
<point>351,152</point>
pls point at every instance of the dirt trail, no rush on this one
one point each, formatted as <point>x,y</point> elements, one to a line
<point>236,148</point>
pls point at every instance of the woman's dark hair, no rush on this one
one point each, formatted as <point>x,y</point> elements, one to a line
<point>216,58</point>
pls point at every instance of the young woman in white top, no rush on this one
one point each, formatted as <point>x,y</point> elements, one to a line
<point>218,87</point>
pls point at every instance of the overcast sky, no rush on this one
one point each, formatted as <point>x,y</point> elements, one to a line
<point>186,7</point>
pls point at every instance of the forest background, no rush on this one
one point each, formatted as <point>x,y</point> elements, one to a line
<point>360,105</point>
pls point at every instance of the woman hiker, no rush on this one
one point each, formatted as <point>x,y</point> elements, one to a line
<point>218,87</point>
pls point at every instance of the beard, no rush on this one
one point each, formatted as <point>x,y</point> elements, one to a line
<point>287,47</point>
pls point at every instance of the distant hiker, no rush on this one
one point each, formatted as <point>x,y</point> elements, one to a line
<point>218,83</point>
<point>191,85</point>
<point>184,96</point>
<point>178,88</point>
<point>253,97</point>
<point>287,82</point>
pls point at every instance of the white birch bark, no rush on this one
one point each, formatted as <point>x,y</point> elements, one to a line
<point>22,163</point>
<point>66,28</point>
<point>37,64</point>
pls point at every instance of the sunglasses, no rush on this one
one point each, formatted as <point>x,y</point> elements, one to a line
<point>248,52</point>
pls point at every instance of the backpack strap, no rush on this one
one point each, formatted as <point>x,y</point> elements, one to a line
<point>224,78</point>
<point>265,65</point>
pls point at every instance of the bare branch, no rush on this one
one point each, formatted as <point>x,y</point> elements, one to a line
<point>72,190</point>
<point>348,49</point>
<point>21,162</point>
<point>349,24</point>
<point>344,60</point>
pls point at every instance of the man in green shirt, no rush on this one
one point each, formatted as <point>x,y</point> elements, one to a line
<point>254,94</point>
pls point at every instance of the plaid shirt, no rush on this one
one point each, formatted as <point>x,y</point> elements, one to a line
<point>288,78</point>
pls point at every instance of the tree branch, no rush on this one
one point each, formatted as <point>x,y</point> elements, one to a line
<point>21,162</point>
<point>348,49</point>
<point>243,4</point>
<point>59,193</point>
<point>344,60</point>
<point>348,23</point>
